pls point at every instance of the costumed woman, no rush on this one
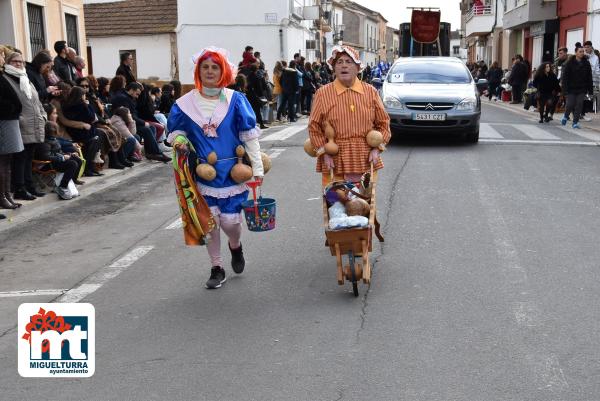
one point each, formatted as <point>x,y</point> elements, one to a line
<point>209,128</point>
<point>352,108</point>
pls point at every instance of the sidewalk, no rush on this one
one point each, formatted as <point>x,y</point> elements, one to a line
<point>593,125</point>
<point>51,202</point>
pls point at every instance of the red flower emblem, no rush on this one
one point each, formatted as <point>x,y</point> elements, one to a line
<point>44,321</point>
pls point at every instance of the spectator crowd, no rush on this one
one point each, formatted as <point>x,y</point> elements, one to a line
<point>571,81</point>
<point>54,119</point>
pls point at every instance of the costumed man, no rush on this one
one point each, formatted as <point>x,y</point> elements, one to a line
<point>353,108</point>
<point>208,127</point>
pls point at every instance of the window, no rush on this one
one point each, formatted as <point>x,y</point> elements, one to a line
<point>429,73</point>
<point>72,32</point>
<point>455,50</point>
<point>37,39</point>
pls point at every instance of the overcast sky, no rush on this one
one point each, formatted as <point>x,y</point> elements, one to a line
<point>395,11</point>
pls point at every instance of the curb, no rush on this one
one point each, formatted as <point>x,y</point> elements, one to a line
<point>50,202</point>
<point>520,110</point>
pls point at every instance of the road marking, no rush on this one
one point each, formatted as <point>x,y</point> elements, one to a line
<point>487,131</point>
<point>318,197</point>
<point>102,276</point>
<point>285,133</point>
<point>527,314</point>
<point>583,134</point>
<point>534,132</point>
<point>275,152</point>
<point>31,293</point>
<point>176,224</point>
<point>532,141</point>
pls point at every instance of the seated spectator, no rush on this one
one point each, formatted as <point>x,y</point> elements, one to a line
<point>79,64</point>
<point>123,123</point>
<point>103,91</point>
<point>128,98</point>
<point>37,70</point>
<point>117,84</point>
<point>77,108</point>
<point>177,87</point>
<point>66,163</point>
<point>156,94</point>
<point>93,85</point>
<point>167,99</point>
<point>63,136</point>
<point>111,139</point>
<point>147,112</point>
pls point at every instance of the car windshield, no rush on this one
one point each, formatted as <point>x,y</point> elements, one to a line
<point>429,73</point>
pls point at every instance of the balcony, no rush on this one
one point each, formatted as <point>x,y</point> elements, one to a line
<point>480,20</point>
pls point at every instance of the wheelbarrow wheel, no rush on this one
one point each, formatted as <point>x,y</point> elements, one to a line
<point>353,274</point>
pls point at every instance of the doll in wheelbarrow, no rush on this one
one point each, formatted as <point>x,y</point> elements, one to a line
<point>212,127</point>
<point>348,126</point>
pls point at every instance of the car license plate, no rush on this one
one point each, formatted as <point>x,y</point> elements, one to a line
<point>429,117</point>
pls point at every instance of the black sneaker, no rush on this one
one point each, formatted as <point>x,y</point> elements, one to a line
<point>237,259</point>
<point>217,278</point>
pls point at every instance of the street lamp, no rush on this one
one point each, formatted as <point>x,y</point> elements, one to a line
<point>327,5</point>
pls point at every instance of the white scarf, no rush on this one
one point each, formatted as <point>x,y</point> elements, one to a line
<point>23,79</point>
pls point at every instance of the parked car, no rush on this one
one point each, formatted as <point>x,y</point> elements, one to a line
<point>436,94</point>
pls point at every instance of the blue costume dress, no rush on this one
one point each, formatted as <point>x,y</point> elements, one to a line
<point>233,122</point>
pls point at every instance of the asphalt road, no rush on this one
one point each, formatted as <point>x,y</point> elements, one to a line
<point>486,288</point>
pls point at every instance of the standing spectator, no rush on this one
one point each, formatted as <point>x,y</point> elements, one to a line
<point>562,58</point>
<point>36,72</point>
<point>547,86</point>
<point>277,71</point>
<point>256,93</point>
<point>257,57</point>
<point>247,60</point>
<point>128,98</point>
<point>124,68</point>
<point>289,87</point>
<point>240,84</point>
<point>494,78</point>
<point>484,68</point>
<point>576,83</point>
<point>593,59</point>
<point>62,67</point>
<point>11,141</point>
<point>31,123</point>
<point>300,97</point>
<point>309,87</point>
<point>518,79</point>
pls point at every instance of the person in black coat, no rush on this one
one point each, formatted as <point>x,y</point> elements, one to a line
<point>10,136</point>
<point>167,99</point>
<point>576,83</point>
<point>62,67</point>
<point>39,67</point>
<point>289,87</point>
<point>77,108</point>
<point>125,68</point>
<point>128,98</point>
<point>547,87</point>
<point>256,92</point>
<point>518,78</point>
<point>494,78</point>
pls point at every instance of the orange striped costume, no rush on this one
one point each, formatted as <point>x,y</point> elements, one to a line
<point>352,112</point>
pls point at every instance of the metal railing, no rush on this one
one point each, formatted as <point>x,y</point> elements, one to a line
<point>479,11</point>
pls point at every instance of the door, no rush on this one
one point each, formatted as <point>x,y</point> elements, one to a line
<point>574,36</point>
<point>538,48</point>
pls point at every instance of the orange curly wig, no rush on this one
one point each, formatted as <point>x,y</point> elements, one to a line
<point>217,58</point>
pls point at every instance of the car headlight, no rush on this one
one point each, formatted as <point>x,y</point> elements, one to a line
<point>468,104</point>
<point>392,103</point>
